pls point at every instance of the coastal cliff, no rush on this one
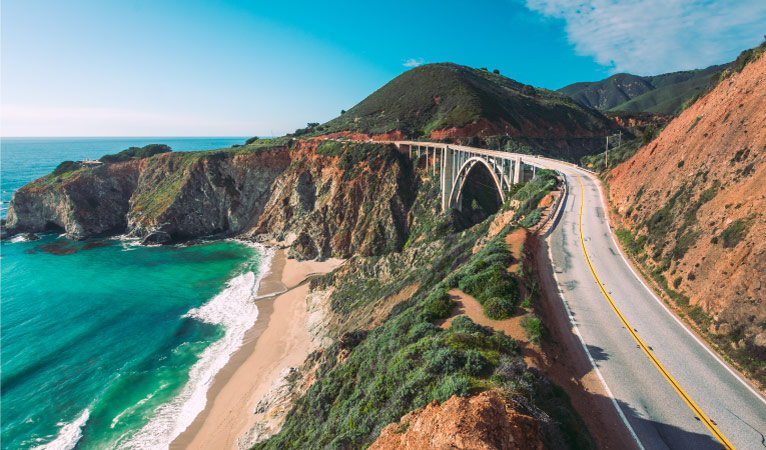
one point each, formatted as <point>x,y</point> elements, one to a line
<point>323,199</point>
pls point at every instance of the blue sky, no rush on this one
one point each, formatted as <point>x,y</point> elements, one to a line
<point>231,68</point>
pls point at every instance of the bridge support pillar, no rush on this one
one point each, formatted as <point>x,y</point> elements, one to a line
<point>446,176</point>
<point>517,170</point>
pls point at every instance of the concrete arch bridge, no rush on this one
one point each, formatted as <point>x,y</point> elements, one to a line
<point>457,164</point>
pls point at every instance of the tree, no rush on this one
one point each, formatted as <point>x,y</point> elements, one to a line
<point>312,124</point>
<point>496,71</point>
<point>342,111</point>
<point>528,90</point>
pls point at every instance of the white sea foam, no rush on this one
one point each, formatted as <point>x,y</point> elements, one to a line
<point>68,435</point>
<point>18,238</point>
<point>234,308</point>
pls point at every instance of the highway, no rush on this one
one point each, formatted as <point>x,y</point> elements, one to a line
<point>686,398</point>
<point>669,389</point>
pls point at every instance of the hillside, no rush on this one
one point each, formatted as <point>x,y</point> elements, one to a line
<point>438,101</point>
<point>383,349</point>
<point>661,94</point>
<point>691,208</point>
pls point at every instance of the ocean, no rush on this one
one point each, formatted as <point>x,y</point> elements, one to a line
<point>105,343</point>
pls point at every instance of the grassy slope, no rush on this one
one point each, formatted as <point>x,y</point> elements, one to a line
<point>406,361</point>
<point>625,92</point>
<point>437,96</point>
<point>666,99</point>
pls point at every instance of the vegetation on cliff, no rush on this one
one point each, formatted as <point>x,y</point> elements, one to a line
<point>445,96</point>
<point>136,153</point>
<point>691,203</point>
<point>370,378</point>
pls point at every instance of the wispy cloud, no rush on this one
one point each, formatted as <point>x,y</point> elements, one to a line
<point>413,62</point>
<point>656,36</point>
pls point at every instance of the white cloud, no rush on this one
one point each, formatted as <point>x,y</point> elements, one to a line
<point>656,36</point>
<point>413,62</point>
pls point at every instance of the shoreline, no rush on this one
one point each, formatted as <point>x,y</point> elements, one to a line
<point>278,340</point>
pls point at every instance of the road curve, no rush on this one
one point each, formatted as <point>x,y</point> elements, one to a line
<point>670,390</point>
<point>654,410</point>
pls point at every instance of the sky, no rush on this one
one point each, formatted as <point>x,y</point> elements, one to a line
<point>245,68</point>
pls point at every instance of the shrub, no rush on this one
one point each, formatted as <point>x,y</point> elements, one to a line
<point>465,324</point>
<point>440,306</point>
<point>734,233</point>
<point>443,360</point>
<point>136,153</point>
<point>528,90</point>
<point>698,315</point>
<point>648,135</point>
<point>498,308</point>
<point>251,140</point>
<point>534,327</point>
<point>451,385</point>
<point>475,362</point>
<point>65,167</point>
<point>504,343</point>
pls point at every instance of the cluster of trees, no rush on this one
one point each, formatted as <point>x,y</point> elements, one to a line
<point>310,127</point>
<point>136,153</point>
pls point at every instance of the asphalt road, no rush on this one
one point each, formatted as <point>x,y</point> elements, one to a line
<point>657,413</point>
<point>670,390</point>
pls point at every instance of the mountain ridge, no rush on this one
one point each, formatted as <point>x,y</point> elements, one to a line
<point>662,94</point>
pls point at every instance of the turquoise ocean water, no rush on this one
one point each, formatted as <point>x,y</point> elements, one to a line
<point>107,344</point>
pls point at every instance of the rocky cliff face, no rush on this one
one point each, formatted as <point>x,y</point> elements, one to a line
<point>694,200</point>
<point>182,196</point>
<point>483,422</point>
<point>337,206</point>
<point>87,202</point>
<point>352,199</point>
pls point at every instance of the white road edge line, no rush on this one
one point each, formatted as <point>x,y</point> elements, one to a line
<point>593,362</point>
<point>665,307</point>
<point>585,347</point>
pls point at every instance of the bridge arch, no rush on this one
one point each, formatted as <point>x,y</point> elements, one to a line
<point>469,166</point>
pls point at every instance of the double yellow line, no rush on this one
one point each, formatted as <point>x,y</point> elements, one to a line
<point>708,423</point>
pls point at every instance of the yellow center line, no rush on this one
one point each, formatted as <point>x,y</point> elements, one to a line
<point>663,371</point>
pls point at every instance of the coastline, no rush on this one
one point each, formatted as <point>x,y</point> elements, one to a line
<point>278,340</point>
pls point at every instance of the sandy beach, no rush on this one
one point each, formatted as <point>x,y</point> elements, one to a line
<point>278,340</point>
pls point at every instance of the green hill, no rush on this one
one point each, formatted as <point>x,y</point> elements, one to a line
<point>662,94</point>
<point>441,96</point>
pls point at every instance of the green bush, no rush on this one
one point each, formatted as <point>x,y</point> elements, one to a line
<point>648,135</point>
<point>440,306</point>
<point>735,232</point>
<point>465,324</point>
<point>475,362</point>
<point>443,360</point>
<point>65,167</point>
<point>451,385</point>
<point>534,327</point>
<point>136,153</point>
<point>498,308</point>
<point>532,218</point>
<point>698,315</point>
